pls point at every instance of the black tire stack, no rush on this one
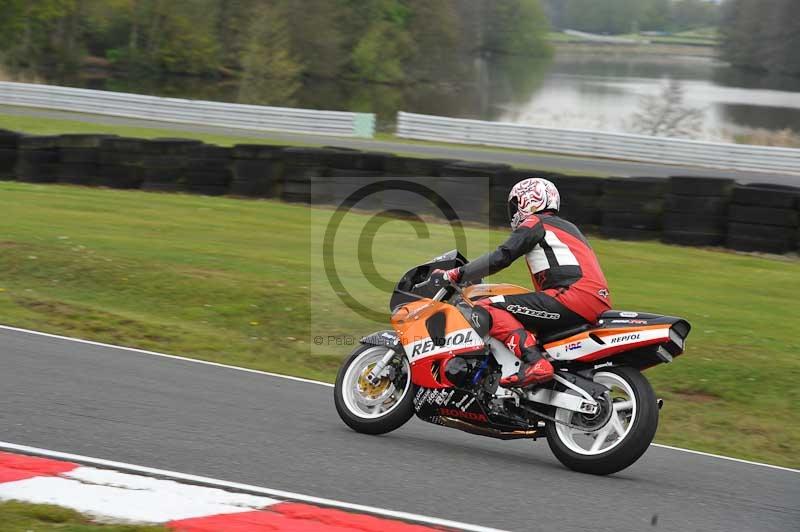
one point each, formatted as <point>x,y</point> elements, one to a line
<point>78,156</point>
<point>355,161</point>
<point>394,199</point>
<point>797,238</point>
<point>121,161</point>
<point>163,174</point>
<point>306,171</point>
<point>415,166</point>
<point>580,199</point>
<point>164,166</point>
<point>209,170</point>
<point>345,171</point>
<point>257,170</point>
<point>632,207</point>
<point>686,210</point>
<point>695,211</point>
<point>764,218</point>
<point>9,149</point>
<point>467,187</point>
<point>349,171</point>
<point>38,159</point>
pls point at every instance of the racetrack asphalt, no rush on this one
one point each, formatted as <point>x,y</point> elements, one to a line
<point>536,160</point>
<point>268,431</point>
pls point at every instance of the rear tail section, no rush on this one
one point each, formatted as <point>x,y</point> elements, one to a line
<point>632,338</point>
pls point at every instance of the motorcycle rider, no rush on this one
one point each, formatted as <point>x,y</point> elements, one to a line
<point>571,289</point>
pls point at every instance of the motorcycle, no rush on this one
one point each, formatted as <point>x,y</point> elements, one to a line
<point>598,414</point>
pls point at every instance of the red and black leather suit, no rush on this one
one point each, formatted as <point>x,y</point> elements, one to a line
<point>570,286</point>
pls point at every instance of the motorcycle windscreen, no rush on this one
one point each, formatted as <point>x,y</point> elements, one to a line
<point>404,292</point>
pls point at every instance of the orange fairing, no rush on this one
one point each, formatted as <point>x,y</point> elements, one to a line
<point>488,290</point>
<point>427,355</point>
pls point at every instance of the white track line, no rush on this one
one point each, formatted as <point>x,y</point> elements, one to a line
<point>310,381</point>
<point>741,461</point>
<point>246,488</point>
<point>164,355</point>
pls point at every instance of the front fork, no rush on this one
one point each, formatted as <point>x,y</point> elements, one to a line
<point>389,340</point>
<point>375,375</point>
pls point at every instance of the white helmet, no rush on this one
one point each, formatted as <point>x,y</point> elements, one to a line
<point>531,196</point>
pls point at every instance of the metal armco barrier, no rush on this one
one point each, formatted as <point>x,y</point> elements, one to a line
<point>600,144</point>
<point>232,115</point>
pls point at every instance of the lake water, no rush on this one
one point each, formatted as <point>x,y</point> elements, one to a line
<point>589,92</point>
<point>584,91</point>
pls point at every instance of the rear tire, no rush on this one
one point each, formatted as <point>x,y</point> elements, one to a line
<point>638,434</point>
<point>346,394</point>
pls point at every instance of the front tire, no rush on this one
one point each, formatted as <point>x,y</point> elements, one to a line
<point>621,441</point>
<point>373,409</point>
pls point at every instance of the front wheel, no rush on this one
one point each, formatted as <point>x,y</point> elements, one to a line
<point>629,419</point>
<point>373,408</point>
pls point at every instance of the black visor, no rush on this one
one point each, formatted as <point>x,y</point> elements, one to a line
<point>513,207</point>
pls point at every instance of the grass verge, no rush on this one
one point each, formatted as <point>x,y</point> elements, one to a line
<point>38,125</point>
<point>23,517</point>
<point>242,282</point>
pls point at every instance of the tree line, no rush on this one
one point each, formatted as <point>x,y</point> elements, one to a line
<point>762,35</point>
<point>275,44</point>
<point>631,16</point>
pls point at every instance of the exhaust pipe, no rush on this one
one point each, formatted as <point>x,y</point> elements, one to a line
<point>482,430</point>
<point>660,403</point>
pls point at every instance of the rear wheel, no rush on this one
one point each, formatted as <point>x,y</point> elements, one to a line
<point>628,420</point>
<point>373,408</point>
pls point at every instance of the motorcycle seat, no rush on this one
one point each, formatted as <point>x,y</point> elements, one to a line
<point>608,315</point>
<point>560,335</point>
<point>616,314</point>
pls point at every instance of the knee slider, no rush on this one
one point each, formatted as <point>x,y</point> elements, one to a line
<point>481,320</point>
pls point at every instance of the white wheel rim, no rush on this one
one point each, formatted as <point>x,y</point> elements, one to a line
<point>614,431</point>
<point>364,406</point>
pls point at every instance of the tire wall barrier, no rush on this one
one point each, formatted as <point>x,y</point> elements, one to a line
<point>685,210</point>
